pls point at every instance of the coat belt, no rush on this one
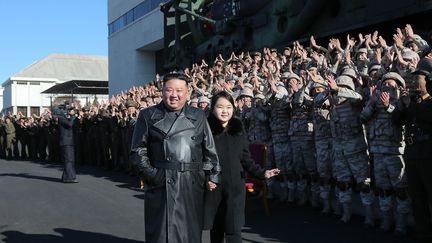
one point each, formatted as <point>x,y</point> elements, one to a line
<point>179,166</point>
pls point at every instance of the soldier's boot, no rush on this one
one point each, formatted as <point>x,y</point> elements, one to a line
<point>346,217</point>
<point>401,224</point>
<point>284,192</point>
<point>386,221</point>
<point>369,217</point>
<point>326,207</point>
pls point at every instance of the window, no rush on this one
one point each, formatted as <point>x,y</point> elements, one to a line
<point>133,14</point>
<point>22,110</point>
<point>34,110</point>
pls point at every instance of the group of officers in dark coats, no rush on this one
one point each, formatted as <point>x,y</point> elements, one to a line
<point>101,136</point>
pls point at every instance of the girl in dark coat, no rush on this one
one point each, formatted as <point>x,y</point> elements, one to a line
<point>224,206</point>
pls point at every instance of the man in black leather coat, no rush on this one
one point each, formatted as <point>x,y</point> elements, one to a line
<point>67,146</point>
<point>175,153</point>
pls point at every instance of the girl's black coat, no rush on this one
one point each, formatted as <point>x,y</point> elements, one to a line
<point>228,200</point>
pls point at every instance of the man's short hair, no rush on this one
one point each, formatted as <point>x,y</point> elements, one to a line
<point>172,76</point>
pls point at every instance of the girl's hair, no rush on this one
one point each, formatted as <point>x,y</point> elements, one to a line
<point>221,94</point>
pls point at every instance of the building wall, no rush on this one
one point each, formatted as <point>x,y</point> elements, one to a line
<point>131,50</point>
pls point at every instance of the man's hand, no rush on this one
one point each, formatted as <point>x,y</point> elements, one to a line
<point>270,173</point>
<point>372,94</point>
<point>293,85</point>
<point>332,82</point>
<point>385,99</point>
<point>211,186</point>
<point>405,98</point>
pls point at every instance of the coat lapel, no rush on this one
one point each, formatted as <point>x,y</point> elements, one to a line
<point>183,122</point>
<point>165,125</point>
<point>160,122</point>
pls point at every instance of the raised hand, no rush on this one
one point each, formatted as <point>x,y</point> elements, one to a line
<point>385,99</point>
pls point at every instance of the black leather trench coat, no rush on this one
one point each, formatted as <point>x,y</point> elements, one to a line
<point>174,155</point>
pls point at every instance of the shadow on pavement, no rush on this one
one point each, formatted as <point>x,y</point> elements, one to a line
<point>67,236</point>
<point>289,223</point>
<point>28,176</point>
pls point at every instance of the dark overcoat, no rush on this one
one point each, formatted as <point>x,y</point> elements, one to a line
<point>174,154</point>
<point>66,131</point>
<point>228,200</point>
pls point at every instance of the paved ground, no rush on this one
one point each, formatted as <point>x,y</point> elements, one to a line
<point>106,207</point>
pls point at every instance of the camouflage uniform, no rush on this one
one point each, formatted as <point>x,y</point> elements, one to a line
<point>302,143</point>
<point>323,145</point>
<point>387,146</point>
<point>349,145</point>
<point>279,125</point>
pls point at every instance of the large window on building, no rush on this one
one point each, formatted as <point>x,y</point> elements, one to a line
<point>133,14</point>
<point>22,110</point>
<point>34,110</point>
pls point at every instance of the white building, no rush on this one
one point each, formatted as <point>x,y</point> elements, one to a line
<point>135,37</point>
<point>23,91</point>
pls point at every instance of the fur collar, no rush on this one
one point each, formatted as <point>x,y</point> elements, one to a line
<point>234,128</point>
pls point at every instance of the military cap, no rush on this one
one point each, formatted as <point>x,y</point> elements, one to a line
<point>256,53</point>
<point>194,100</point>
<point>248,86</point>
<point>203,99</point>
<point>131,103</point>
<point>246,92</point>
<point>318,85</point>
<point>260,96</point>
<point>362,50</point>
<point>289,76</point>
<point>85,108</point>
<point>345,81</point>
<point>394,76</point>
<point>350,72</point>
<point>409,54</point>
<point>374,67</point>
<point>424,67</point>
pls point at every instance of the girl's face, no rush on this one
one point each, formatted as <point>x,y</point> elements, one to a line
<point>223,111</point>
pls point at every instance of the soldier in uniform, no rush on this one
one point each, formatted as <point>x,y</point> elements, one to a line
<point>279,125</point>
<point>349,145</point>
<point>386,145</point>
<point>323,141</point>
<point>204,104</point>
<point>259,132</point>
<point>302,142</point>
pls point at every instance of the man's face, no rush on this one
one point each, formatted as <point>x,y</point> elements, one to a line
<point>175,93</point>
<point>247,101</point>
<point>362,56</point>
<point>413,47</point>
<point>72,112</point>
<point>203,105</point>
<point>131,109</point>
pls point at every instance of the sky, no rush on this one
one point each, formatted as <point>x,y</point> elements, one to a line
<point>33,29</point>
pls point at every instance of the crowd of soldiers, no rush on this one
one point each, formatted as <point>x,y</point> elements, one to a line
<point>336,120</point>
